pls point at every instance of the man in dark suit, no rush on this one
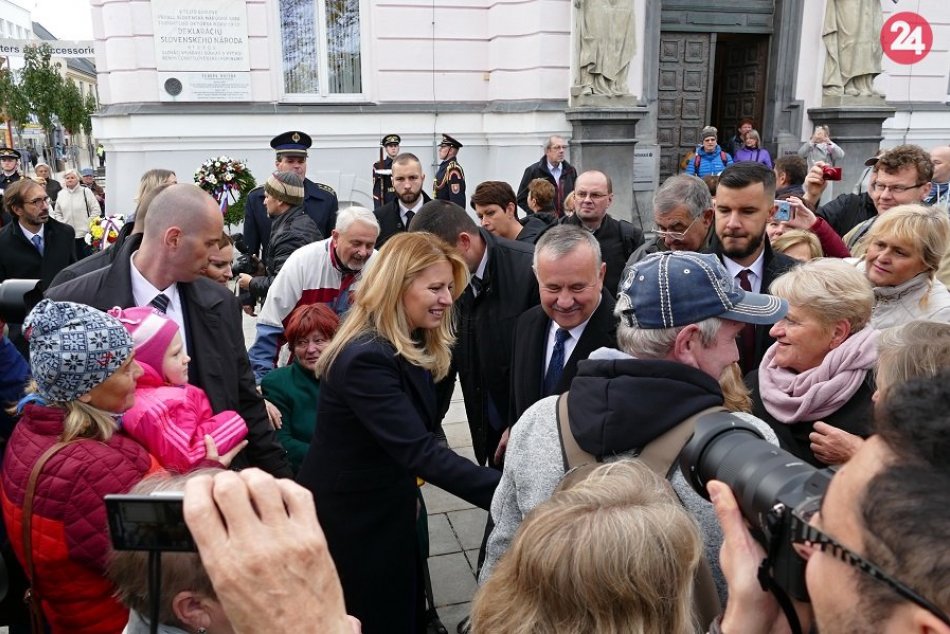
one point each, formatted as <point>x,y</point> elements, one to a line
<point>164,268</point>
<point>407,180</point>
<point>35,246</point>
<point>320,200</point>
<point>502,287</point>
<point>745,200</point>
<point>575,318</point>
<point>383,192</point>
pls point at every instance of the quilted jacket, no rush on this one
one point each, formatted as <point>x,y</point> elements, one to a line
<point>171,421</point>
<point>70,535</point>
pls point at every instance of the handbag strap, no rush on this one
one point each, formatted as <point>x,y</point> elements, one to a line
<point>33,596</point>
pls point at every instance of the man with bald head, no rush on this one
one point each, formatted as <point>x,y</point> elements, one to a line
<point>940,183</point>
<point>618,239</point>
<point>165,269</point>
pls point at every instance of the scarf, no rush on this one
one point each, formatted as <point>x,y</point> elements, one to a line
<point>817,392</point>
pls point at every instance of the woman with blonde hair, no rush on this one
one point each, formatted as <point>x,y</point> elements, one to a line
<point>615,553</point>
<point>75,205</point>
<point>377,413</point>
<point>799,244</point>
<point>820,369</point>
<point>903,251</point>
<point>919,349</point>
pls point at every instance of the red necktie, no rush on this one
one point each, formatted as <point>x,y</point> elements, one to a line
<point>747,360</point>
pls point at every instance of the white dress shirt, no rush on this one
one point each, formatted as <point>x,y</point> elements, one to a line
<point>143,293</point>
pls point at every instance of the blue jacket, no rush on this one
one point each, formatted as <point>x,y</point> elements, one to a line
<point>709,162</point>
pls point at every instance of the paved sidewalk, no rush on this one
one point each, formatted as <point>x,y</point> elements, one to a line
<point>455,526</point>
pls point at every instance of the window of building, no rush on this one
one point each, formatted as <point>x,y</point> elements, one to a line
<point>322,47</point>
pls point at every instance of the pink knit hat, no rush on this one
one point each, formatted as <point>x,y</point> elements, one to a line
<point>151,333</point>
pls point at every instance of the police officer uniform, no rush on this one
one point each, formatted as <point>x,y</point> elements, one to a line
<point>383,191</point>
<point>320,202</point>
<point>6,179</point>
<point>450,179</point>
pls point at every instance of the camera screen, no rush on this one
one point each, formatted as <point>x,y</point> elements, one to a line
<point>139,522</point>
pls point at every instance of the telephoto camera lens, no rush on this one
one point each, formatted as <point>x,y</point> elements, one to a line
<point>768,483</point>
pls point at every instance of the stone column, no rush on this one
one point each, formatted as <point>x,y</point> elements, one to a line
<point>857,129</point>
<point>604,139</point>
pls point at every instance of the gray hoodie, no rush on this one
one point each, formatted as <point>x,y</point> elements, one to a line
<point>616,405</point>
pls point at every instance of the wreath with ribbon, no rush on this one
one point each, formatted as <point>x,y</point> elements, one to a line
<point>229,181</point>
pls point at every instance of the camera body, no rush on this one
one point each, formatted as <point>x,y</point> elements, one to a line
<point>830,173</point>
<point>768,482</point>
<point>247,262</point>
<point>153,522</point>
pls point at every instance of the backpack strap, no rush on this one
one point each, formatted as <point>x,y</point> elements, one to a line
<point>661,453</point>
<point>32,597</point>
<point>696,161</point>
<point>577,463</point>
<point>571,453</point>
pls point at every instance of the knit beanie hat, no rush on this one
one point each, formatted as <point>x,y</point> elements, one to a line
<point>73,348</point>
<point>707,132</point>
<point>151,333</point>
<point>286,187</point>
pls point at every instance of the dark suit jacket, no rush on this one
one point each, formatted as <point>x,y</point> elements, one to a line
<point>319,202</point>
<point>486,332</point>
<point>98,260</point>
<point>219,363</point>
<point>774,266</point>
<point>376,416</point>
<point>19,259</point>
<point>390,222</point>
<point>528,352</point>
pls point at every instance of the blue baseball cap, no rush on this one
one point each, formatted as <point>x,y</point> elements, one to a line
<point>677,288</point>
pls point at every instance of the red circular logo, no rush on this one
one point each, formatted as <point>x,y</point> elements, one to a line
<point>906,37</point>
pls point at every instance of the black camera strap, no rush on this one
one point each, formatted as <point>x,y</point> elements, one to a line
<point>154,589</point>
<point>769,585</point>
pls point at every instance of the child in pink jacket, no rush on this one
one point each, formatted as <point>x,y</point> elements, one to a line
<point>171,418</point>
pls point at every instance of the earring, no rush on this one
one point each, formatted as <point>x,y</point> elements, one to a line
<point>202,630</point>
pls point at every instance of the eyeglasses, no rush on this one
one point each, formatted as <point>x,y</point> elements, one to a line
<point>559,147</point>
<point>592,195</point>
<point>37,201</point>
<point>895,189</point>
<point>675,236</point>
<point>805,533</point>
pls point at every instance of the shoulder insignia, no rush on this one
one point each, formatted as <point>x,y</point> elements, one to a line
<point>326,188</point>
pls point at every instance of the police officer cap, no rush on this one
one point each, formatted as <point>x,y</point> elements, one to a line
<point>447,140</point>
<point>391,139</point>
<point>9,152</point>
<point>293,143</point>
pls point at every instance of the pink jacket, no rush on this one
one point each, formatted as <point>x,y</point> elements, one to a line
<point>171,421</point>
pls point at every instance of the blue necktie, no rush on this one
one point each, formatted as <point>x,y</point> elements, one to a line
<point>556,365</point>
<point>38,243</point>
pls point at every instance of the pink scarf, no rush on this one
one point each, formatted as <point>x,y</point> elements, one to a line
<point>820,391</point>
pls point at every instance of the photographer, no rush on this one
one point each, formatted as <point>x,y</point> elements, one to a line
<point>901,175</point>
<point>877,557</point>
<point>291,228</point>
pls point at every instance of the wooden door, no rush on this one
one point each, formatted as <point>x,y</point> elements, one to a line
<point>682,96</point>
<point>739,86</point>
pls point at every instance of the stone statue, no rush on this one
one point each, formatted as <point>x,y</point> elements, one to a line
<point>605,45</point>
<point>852,36</point>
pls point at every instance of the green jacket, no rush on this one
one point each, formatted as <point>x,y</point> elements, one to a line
<point>295,392</point>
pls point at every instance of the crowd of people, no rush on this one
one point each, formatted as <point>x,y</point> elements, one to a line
<point>586,354</point>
